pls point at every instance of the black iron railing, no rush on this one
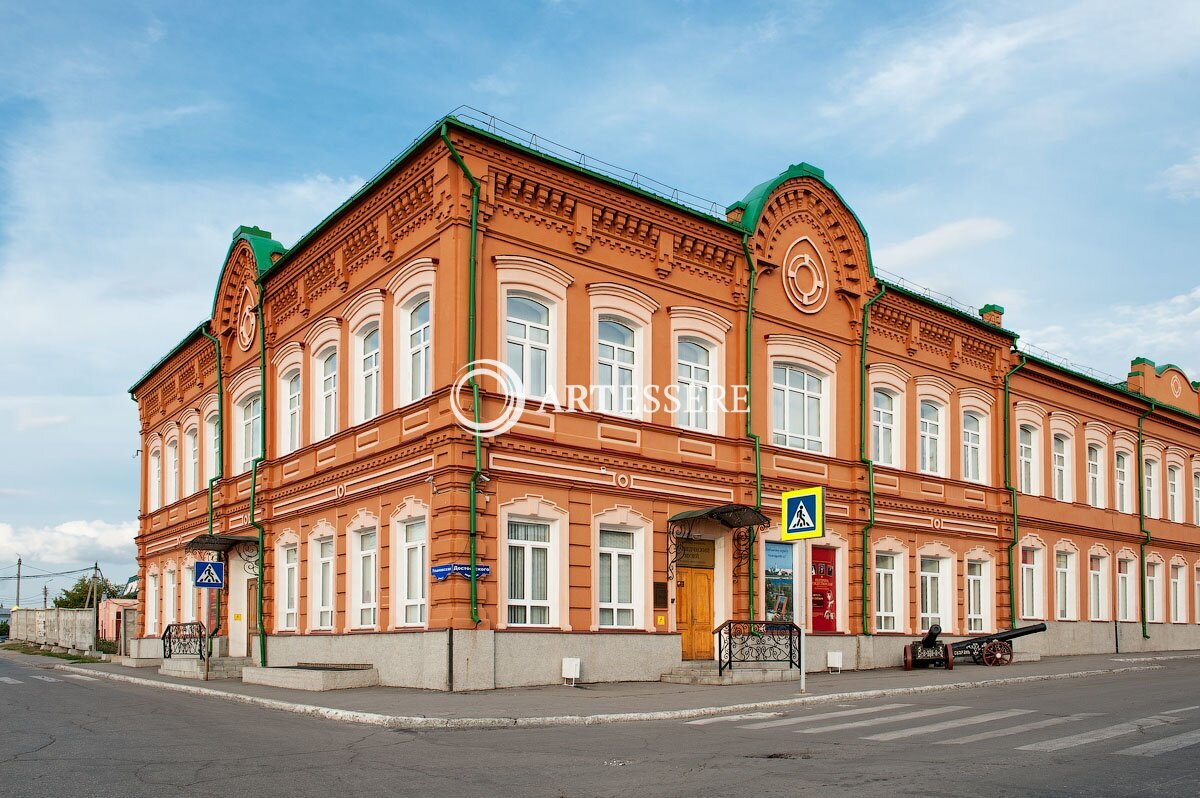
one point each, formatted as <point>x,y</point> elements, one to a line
<point>184,639</point>
<point>759,641</point>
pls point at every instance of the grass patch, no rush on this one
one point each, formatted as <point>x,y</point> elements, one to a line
<point>25,648</point>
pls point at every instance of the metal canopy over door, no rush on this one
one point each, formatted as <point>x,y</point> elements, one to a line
<point>694,598</point>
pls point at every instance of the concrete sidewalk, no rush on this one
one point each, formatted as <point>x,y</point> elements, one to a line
<point>620,702</point>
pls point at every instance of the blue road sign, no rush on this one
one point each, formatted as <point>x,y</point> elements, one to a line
<point>803,514</point>
<point>210,574</point>
<point>441,572</point>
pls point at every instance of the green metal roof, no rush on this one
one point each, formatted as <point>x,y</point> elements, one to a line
<point>967,317</point>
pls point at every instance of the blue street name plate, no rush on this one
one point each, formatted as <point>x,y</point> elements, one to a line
<point>441,572</point>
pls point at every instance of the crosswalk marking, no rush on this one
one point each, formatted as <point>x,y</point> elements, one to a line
<point>81,677</point>
<point>724,718</point>
<point>1165,745</point>
<point>1180,710</point>
<point>875,721</point>
<point>771,724</point>
<point>947,724</point>
<point>1096,735</point>
<point>45,678</point>
<point>7,680</point>
<point>1024,727</point>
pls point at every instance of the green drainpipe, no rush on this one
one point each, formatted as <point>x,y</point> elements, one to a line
<point>749,404</point>
<point>219,453</point>
<point>474,492</point>
<point>1142,514</point>
<point>869,461</point>
<point>1012,493</point>
<point>262,453</point>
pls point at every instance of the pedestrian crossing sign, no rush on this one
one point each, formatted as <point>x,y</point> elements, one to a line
<point>210,574</point>
<point>803,514</point>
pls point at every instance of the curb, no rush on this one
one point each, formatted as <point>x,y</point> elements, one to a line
<point>423,723</point>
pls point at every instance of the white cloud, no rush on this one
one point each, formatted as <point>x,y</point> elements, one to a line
<point>30,419</point>
<point>15,492</point>
<point>947,239</point>
<point>1182,181</point>
<point>67,546</point>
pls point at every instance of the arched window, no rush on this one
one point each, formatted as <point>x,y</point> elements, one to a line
<point>930,440</point>
<point>250,411</point>
<point>883,427</point>
<point>1095,477</point>
<point>1150,488</point>
<point>172,484</point>
<point>1174,504</point>
<point>1121,483</point>
<point>1061,468</point>
<point>694,377</point>
<point>327,393</point>
<point>212,440</point>
<point>798,407</point>
<point>1026,459</point>
<point>972,442</point>
<point>419,350</point>
<point>616,366</point>
<point>290,432</point>
<point>368,373</point>
<point>528,343</point>
<point>154,499</point>
<point>192,442</point>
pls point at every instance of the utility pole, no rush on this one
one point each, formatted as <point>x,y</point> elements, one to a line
<point>45,596</point>
<point>18,604</point>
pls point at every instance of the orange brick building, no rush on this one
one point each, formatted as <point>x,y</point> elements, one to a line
<point>314,412</point>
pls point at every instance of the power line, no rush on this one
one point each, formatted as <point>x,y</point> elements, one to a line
<point>26,577</point>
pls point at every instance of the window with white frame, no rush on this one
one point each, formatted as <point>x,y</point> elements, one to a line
<point>933,601</point>
<point>616,366</point>
<point>172,486</point>
<point>972,443</point>
<point>1031,582</point>
<point>976,592</point>
<point>1126,591</point>
<point>1121,482</point>
<point>798,407</point>
<point>616,577</point>
<point>694,376</point>
<point>412,571</point>
<point>883,427</point>
<point>154,500</point>
<point>191,480</point>
<point>1026,458</point>
<point>527,330</point>
<point>420,343</point>
<point>152,605</point>
<point>1196,595</point>
<point>1095,476</point>
<point>169,587</point>
<point>929,439</point>
<point>212,439</point>
<point>291,585</point>
<point>327,401</point>
<point>1150,487</point>
<point>290,434</point>
<point>1196,500</point>
<point>1178,595</point>
<point>1154,592</point>
<point>323,593</point>
<point>364,577</point>
<point>528,573</point>
<point>1174,503</point>
<point>888,596</point>
<point>250,411</point>
<point>189,593</point>
<point>368,373</point>
<point>1061,468</point>
<point>1064,586</point>
<point>1097,587</point>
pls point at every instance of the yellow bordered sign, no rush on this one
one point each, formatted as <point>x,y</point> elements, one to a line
<point>803,514</point>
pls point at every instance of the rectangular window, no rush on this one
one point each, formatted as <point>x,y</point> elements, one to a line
<point>1125,588</point>
<point>366,578</point>
<point>1059,466</point>
<point>1030,594</point>
<point>251,431</point>
<point>291,432</point>
<point>883,427</point>
<point>1196,500</point>
<point>329,395</point>
<point>972,465</point>
<point>616,367</point>
<point>1025,452</point>
<point>1122,482</point>
<point>1196,595</point>
<point>1095,496</point>
<point>369,366</point>
<point>797,405</point>
<point>1174,507</point>
<point>413,572</point>
<point>1063,587</point>
<point>169,598</point>
<point>192,483</point>
<point>1178,595</point>
<point>528,573</point>
<point>527,332</point>
<point>929,442</point>
<point>1150,488</point>
<point>931,592</point>
<point>290,586</point>
<point>189,593</point>
<point>1153,597</point>
<point>616,578</point>
<point>419,351</point>
<point>975,594</point>
<point>886,582</point>
<point>325,584</point>
<point>1096,588</point>
<point>152,604</point>
<point>694,377</point>
<point>172,472</point>
<point>213,441</point>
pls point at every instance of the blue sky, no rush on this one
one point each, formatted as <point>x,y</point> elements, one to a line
<point>1042,156</point>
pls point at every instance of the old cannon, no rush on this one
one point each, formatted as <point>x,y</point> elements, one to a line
<point>995,649</point>
<point>928,651</point>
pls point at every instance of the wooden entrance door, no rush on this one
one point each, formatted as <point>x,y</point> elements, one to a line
<point>694,611</point>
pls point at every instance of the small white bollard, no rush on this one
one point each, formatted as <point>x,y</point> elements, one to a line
<point>570,670</point>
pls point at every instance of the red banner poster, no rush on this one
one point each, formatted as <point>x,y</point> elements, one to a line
<point>824,589</point>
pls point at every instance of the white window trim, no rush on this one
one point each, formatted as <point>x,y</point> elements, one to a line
<point>170,594</point>
<point>367,401</point>
<point>1132,589</point>
<point>1177,595</point>
<point>987,591</point>
<point>1038,580</point>
<point>152,599</point>
<point>537,510</point>
<point>637,370</point>
<point>788,349</point>
<point>938,440</point>
<point>362,524</point>
<point>1174,488</point>
<point>710,386</point>
<point>947,608</point>
<point>1102,586</point>
<point>894,380</point>
<point>899,599</point>
<point>889,421</point>
<point>1071,575</point>
<point>980,448</point>
<point>411,284</point>
<point>322,532</point>
<point>623,518</point>
<point>154,480</point>
<point>288,540</point>
<point>708,327</point>
<point>628,306</point>
<point>1124,499</point>
<point>1151,486</point>
<point>1031,415</point>
<point>825,408</point>
<point>191,439</point>
<point>1063,462</point>
<point>424,349</point>
<point>537,279</point>
<point>211,446</point>
<point>411,511</point>
<point>981,403</point>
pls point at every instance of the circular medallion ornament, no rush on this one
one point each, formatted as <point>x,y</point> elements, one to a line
<point>247,321</point>
<point>1176,386</point>
<point>805,280</point>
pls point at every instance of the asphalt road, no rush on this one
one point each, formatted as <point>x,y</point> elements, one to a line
<point>1127,734</point>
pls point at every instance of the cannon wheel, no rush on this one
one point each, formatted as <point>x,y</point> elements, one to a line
<point>908,659</point>
<point>949,658</point>
<point>997,652</point>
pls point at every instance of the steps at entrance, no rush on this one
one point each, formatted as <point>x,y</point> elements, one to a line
<point>193,667</point>
<point>707,673</point>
